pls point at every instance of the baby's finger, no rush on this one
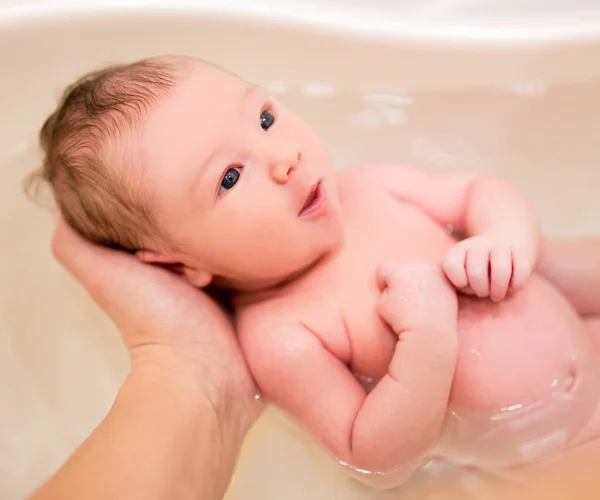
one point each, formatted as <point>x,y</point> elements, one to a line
<point>384,307</point>
<point>500,272</point>
<point>478,270</point>
<point>454,266</point>
<point>384,273</point>
<point>521,271</point>
<point>389,307</point>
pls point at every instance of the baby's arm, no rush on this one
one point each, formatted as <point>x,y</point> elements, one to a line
<point>400,420</point>
<point>501,230</point>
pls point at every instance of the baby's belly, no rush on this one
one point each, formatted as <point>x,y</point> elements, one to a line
<point>515,351</point>
<point>526,379</point>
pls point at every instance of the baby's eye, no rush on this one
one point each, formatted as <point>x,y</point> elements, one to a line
<point>266,119</point>
<point>230,179</point>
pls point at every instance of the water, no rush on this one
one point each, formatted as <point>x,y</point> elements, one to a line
<point>535,124</point>
<point>543,139</point>
<point>545,142</point>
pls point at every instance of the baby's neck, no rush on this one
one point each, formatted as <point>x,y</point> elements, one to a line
<point>241,296</point>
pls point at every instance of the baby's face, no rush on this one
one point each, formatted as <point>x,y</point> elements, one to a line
<point>243,185</point>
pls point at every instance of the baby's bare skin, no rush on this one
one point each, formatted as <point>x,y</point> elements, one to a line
<point>363,285</point>
<point>304,341</point>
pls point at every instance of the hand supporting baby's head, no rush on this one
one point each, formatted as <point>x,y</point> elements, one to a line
<point>192,168</point>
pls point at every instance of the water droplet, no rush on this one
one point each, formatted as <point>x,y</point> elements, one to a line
<point>512,408</point>
<point>475,353</point>
<point>359,470</point>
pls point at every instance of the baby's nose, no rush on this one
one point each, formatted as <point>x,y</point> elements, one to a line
<point>283,162</point>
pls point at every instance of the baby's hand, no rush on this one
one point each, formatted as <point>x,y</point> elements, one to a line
<point>416,296</point>
<point>487,267</point>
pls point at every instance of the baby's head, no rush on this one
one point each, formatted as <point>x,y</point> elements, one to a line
<point>190,167</point>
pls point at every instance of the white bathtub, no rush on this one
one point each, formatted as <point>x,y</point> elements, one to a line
<point>436,83</point>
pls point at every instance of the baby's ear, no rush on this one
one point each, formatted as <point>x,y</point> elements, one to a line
<point>151,257</point>
<point>195,276</point>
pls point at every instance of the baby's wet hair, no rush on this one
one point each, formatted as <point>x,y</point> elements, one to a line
<point>95,174</point>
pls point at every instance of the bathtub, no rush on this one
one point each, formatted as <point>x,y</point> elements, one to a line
<point>439,84</point>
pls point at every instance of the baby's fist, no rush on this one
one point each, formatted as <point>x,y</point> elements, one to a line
<point>415,295</point>
<point>487,267</point>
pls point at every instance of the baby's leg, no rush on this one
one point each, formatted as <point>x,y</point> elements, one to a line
<point>573,266</point>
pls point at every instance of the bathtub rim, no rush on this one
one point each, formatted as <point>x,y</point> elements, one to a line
<point>376,30</point>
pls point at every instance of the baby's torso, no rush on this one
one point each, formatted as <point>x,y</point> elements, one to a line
<point>512,355</point>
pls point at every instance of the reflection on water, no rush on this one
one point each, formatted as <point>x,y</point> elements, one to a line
<point>55,383</point>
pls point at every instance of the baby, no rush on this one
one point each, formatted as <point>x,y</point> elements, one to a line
<point>395,313</point>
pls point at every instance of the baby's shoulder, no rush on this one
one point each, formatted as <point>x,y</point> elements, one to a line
<point>271,327</point>
<point>271,309</point>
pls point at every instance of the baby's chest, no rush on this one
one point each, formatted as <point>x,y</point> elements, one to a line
<point>342,312</point>
<point>378,228</point>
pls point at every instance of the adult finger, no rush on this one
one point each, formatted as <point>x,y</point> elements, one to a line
<point>115,280</point>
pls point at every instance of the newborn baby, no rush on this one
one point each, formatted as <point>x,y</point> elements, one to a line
<point>395,313</point>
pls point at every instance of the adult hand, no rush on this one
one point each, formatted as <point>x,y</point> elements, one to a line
<point>177,423</point>
<point>164,320</point>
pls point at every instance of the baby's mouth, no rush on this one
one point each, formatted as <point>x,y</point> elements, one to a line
<point>314,200</point>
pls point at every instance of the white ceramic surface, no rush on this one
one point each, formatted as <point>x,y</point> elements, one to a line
<point>464,21</point>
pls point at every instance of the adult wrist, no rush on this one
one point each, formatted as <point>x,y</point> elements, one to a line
<point>201,381</point>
